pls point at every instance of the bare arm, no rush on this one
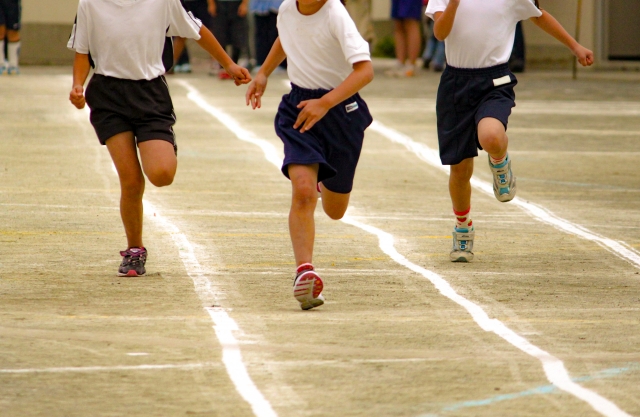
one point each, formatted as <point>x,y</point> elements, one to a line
<point>81,68</point>
<point>209,43</point>
<point>550,25</point>
<point>259,85</point>
<point>314,110</point>
<point>443,21</point>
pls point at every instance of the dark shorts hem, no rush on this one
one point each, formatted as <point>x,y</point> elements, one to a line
<point>334,142</point>
<point>466,96</point>
<point>139,106</point>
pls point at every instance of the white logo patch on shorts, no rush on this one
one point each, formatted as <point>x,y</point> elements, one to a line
<point>501,81</point>
<point>351,107</point>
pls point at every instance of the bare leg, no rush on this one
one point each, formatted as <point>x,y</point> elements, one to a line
<point>493,137</point>
<point>303,204</point>
<point>334,204</point>
<point>122,148</point>
<point>412,33</point>
<point>401,40</point>
<point>460,184</point>
<point>12,35</point>
<point>159,161</point>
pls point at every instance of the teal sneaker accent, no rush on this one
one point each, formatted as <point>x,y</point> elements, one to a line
<point>462,250</point>
<point>504,182</point>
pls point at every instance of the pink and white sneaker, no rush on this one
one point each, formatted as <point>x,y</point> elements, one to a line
<point>307,287</point>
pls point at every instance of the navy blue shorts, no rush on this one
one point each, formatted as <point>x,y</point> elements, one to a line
<point>10,11</point>
<point>139,106</point>
<point>406,9</point>
<point>334,142</point>
<point>466,96</point>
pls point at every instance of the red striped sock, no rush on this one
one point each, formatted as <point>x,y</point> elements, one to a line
<point>498,161</point>
<point>463,219</point>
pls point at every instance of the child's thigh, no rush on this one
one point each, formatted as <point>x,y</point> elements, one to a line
<point>157,155</point>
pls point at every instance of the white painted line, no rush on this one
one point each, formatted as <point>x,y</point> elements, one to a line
<point>224,324</point>
<point>431,156</point>
<point>137,354</point>
<point>186,366</point>
<point>269,150</point>
<point>553,367</point>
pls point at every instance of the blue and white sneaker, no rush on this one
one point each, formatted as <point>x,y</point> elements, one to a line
<point>4,67</point>
<point>504,182</point>
<point>462,250</point>
<point>12,70</point>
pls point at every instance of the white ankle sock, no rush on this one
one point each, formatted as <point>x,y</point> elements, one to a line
<point>14,51</point>
<point>2,57</point>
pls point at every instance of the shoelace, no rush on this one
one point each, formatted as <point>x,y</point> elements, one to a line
<point>133,258</point>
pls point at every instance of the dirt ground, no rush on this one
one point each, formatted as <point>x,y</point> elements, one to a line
<point>76,340</point>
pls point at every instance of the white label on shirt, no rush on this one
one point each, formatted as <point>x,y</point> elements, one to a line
<point>351,107</point>
<point>501,81</point>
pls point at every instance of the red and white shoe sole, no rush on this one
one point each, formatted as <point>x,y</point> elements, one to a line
<point>307,289</point>
<point>131,273</point>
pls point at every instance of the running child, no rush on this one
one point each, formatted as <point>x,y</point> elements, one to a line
<point>321,121</point>
<point>475,96</point>
<point>130,44</point>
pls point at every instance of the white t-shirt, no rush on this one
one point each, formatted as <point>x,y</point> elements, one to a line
<point>483,31</point>
<point>321,48</point>
<point>126,37</point>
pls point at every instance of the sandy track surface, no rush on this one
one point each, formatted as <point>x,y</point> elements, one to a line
<point>76,340</point>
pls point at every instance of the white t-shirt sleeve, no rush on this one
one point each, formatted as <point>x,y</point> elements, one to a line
<point>354,47</point>
<point>524,9</point>
<point>79,39</point>
<point>435,6</point>
<point>182,23</point>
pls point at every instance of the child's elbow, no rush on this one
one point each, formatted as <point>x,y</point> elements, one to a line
<point>368,75</point>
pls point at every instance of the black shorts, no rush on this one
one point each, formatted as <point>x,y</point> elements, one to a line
<point>466,96</point>
<point>334,142</point>
<point>139,106</point>
<point>227,26</point>
<point>10,11</point>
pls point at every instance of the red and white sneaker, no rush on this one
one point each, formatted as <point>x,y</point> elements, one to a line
<point>307,287</point>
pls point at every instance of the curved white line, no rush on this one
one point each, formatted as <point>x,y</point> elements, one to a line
<point>553,367</point>
<point>224,324</point>
<point>539,213</point>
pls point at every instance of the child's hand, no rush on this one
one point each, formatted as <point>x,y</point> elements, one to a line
<point>256,90</point>
<point>584,55</point>
<point>312,112</point>
<point>77,96</point>
<point>239,74</point>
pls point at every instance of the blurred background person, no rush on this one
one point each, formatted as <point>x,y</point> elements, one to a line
<point>265,18</point>
<point>360,12</point>
<point>10,13</point>
<point>199,8</point>
<point>407,15</point>
<point>434,52</point>
<point>229,26</point>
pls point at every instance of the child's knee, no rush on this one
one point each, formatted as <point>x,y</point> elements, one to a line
<point>161,177</point>
<point>132,187</point>
<point>462,171</point>
<point>492,135</point>
<point>335,213</point>
<point>305,195</point>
